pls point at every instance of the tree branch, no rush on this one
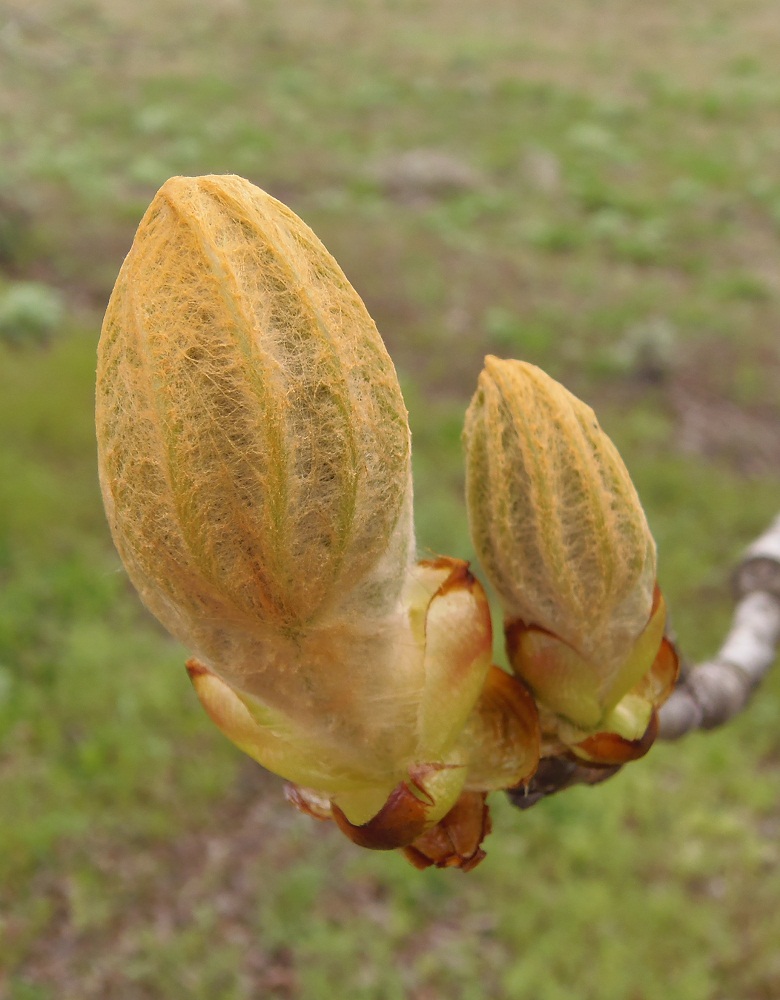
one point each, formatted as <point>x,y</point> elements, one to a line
<point>713,692</point>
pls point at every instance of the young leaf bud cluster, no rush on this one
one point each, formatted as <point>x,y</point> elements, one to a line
<point>254,456</point>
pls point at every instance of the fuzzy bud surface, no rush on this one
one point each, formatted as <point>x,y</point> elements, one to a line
<point>254,457</point>
<point>561,533</point>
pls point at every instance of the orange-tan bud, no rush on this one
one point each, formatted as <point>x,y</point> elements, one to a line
<point>557,525</point>
<point>254,448</point>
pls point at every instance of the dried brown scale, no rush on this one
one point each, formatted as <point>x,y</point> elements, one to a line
<point>556,774</point>
<point>607,748</point>
<point>399,822</point>
<point>455,841</point>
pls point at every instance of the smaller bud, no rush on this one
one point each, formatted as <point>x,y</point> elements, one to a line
<point>560,531</point>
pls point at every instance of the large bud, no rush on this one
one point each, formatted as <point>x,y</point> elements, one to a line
<point>253,442</point>
<point>560,531</point>
<point>255,464</point>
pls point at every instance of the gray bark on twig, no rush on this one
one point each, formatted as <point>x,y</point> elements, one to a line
<point>713,692</point>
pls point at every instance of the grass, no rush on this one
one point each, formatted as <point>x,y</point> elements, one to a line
<point>615,217</point>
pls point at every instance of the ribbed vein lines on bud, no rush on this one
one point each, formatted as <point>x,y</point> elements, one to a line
<point>254,445</point>
<point>560,530</point>
<point>230,337</point>
<point>555,519</point>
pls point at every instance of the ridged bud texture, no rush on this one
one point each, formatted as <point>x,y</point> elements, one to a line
<point>254,456</point>
<point>554,517</point>
<point>253,442</point>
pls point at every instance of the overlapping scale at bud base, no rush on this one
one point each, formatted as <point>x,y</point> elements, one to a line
<point>254,456</point>
<point>476,730</point>
<point>560,531</point>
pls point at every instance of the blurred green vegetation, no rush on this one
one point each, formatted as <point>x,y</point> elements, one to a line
<point>592,186</point>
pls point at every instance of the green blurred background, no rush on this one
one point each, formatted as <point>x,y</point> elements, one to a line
<point>590,185</point>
